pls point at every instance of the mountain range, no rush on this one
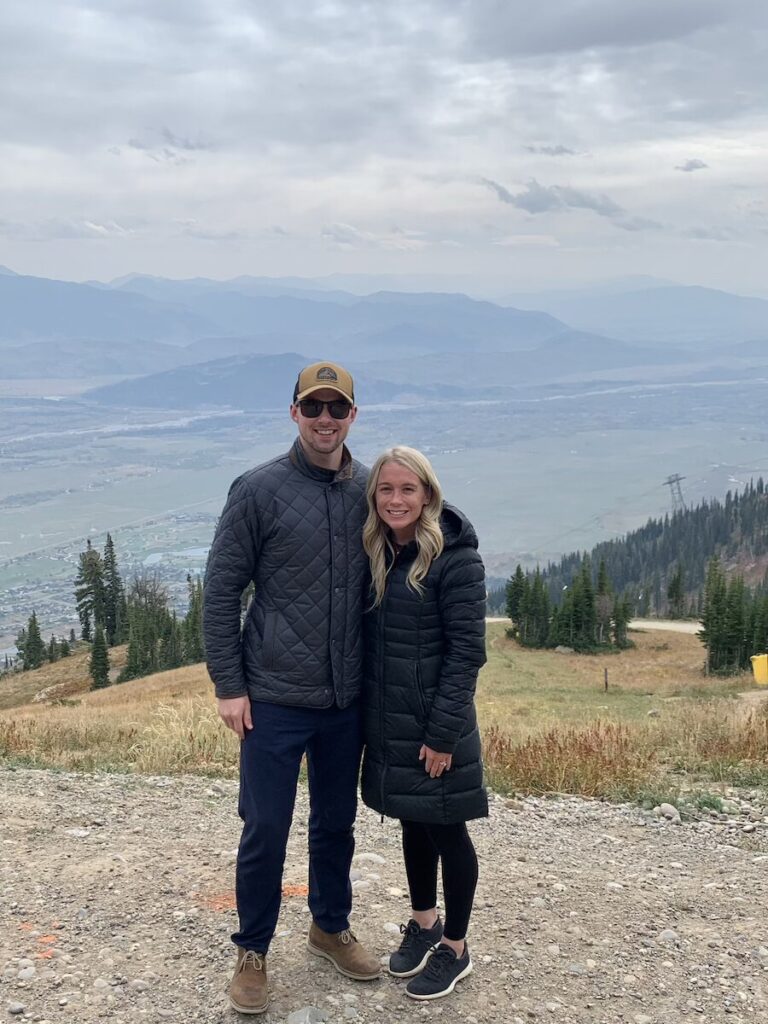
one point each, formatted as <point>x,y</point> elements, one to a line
<point>199,340</point>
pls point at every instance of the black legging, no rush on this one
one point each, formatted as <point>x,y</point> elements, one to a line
<point>423,846</point>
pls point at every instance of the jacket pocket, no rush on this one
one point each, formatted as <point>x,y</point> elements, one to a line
<point>420,695</point>
<point>268,640</point>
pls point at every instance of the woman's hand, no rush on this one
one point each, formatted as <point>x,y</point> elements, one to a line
<point>434,762</point>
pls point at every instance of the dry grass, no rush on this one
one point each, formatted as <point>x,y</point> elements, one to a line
<point>66,677</point>
<point>166,723</point>
<point>549,725</point>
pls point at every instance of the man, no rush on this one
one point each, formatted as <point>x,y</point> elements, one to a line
<point>289,683</point>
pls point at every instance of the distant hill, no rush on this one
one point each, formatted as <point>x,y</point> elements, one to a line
<point>676,315</point>
<point>642,562</point>
<point>38,309</point>
<point>70,359</point>
<point>240,382</point>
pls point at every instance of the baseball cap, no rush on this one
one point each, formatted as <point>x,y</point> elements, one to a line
<point>324,375</point>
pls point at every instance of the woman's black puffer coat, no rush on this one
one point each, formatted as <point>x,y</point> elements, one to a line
<point>423,654</point>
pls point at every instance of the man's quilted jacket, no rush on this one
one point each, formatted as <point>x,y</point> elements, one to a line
<point>296,531</point>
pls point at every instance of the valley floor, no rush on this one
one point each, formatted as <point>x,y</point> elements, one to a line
<point>117,904</point>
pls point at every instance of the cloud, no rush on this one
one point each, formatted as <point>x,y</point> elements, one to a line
<point>504,28</point>
<point>537,198</point>
<point>691,165</point>
<point>710,234</point>
<point>346,236</point>
<point>528,241</point>
<point>53,229</point>
<point>552,150</point>
<point>166,147</point>
<point>638,224</point>
<point>193,229</point>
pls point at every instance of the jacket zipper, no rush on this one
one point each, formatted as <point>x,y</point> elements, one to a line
<point>384,766</point>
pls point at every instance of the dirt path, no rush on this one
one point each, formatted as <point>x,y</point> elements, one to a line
<point>116,905</point>
<point>669,625</point>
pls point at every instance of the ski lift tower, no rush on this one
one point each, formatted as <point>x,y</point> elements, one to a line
<point>678,501</point>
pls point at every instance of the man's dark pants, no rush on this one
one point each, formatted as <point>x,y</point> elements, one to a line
<point>270,758</point>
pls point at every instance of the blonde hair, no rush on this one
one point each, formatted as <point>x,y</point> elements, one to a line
<point>377,539</point>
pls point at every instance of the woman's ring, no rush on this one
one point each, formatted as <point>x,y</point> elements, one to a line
<point>443,764</point>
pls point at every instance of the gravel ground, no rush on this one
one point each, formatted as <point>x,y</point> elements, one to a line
<point>116,904</point>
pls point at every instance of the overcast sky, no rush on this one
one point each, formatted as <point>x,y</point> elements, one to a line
<point>546,143</point>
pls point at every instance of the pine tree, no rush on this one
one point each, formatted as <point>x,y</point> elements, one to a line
<point>34,648</point>
<point>64,648</point>
<point>72,638</point>
<point>99,664</point>
<point>603,606</point>
<point>115,624</point>
<point>192,627</point>
<point>713,618</point>
<point>53,649</point>
<point>515,588</point>
<point>89,590</point>
<point>148,618</point>
<point>676,593</point>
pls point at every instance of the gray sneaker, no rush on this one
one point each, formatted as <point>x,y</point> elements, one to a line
<point>440,975</point>
<point>415,948</point>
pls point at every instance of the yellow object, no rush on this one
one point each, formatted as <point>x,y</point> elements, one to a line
<point>760,668</point>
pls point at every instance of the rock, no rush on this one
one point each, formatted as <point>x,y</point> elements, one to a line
<point>306,1015</point>
<point>369,858</point>
<point>669,936</point>
<point>26,974</point>
<point>668,811</point>
<point>654,713</point>
<point>16,1008</point>
<point>562,649</point>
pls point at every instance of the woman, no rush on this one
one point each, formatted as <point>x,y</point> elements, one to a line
<point>425,643</point>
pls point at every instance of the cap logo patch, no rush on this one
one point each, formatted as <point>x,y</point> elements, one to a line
<point>326,373</point>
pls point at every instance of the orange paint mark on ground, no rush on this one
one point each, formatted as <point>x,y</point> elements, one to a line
<point>295,890</point>
<point>225,900</point>
<point>25,926</point>
<point>44,954</point>
<point>218,901</point>
<point>47,940</point>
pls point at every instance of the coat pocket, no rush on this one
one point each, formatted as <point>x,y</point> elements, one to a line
<point>421,697</point>
<point>268,640</point>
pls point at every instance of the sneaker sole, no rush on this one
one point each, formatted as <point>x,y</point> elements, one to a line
<point>446,991</point>
<point>347,974</point>
<point>249,1009</point>
<point>414,970</point>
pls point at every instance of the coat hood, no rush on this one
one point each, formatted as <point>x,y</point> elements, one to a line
<point>457,529</point>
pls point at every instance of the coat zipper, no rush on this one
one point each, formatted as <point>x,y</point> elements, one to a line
<point>384,767</point>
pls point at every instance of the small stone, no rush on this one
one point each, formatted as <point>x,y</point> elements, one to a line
<point>77,833</point>
<point>26,974</point>
<point>749,827</point>
<point>306,1015</point>
<point>16,1008</point>
<point>368,858</point>
<point>669,935</point>
<point>668,811</point>
<point>654,713</point>
<point>554,949</point>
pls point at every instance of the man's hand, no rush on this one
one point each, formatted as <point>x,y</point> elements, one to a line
<point>434,762</point>
<point>235,713</point>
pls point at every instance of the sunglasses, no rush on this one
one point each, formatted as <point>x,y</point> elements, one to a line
<point>339,408</point>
